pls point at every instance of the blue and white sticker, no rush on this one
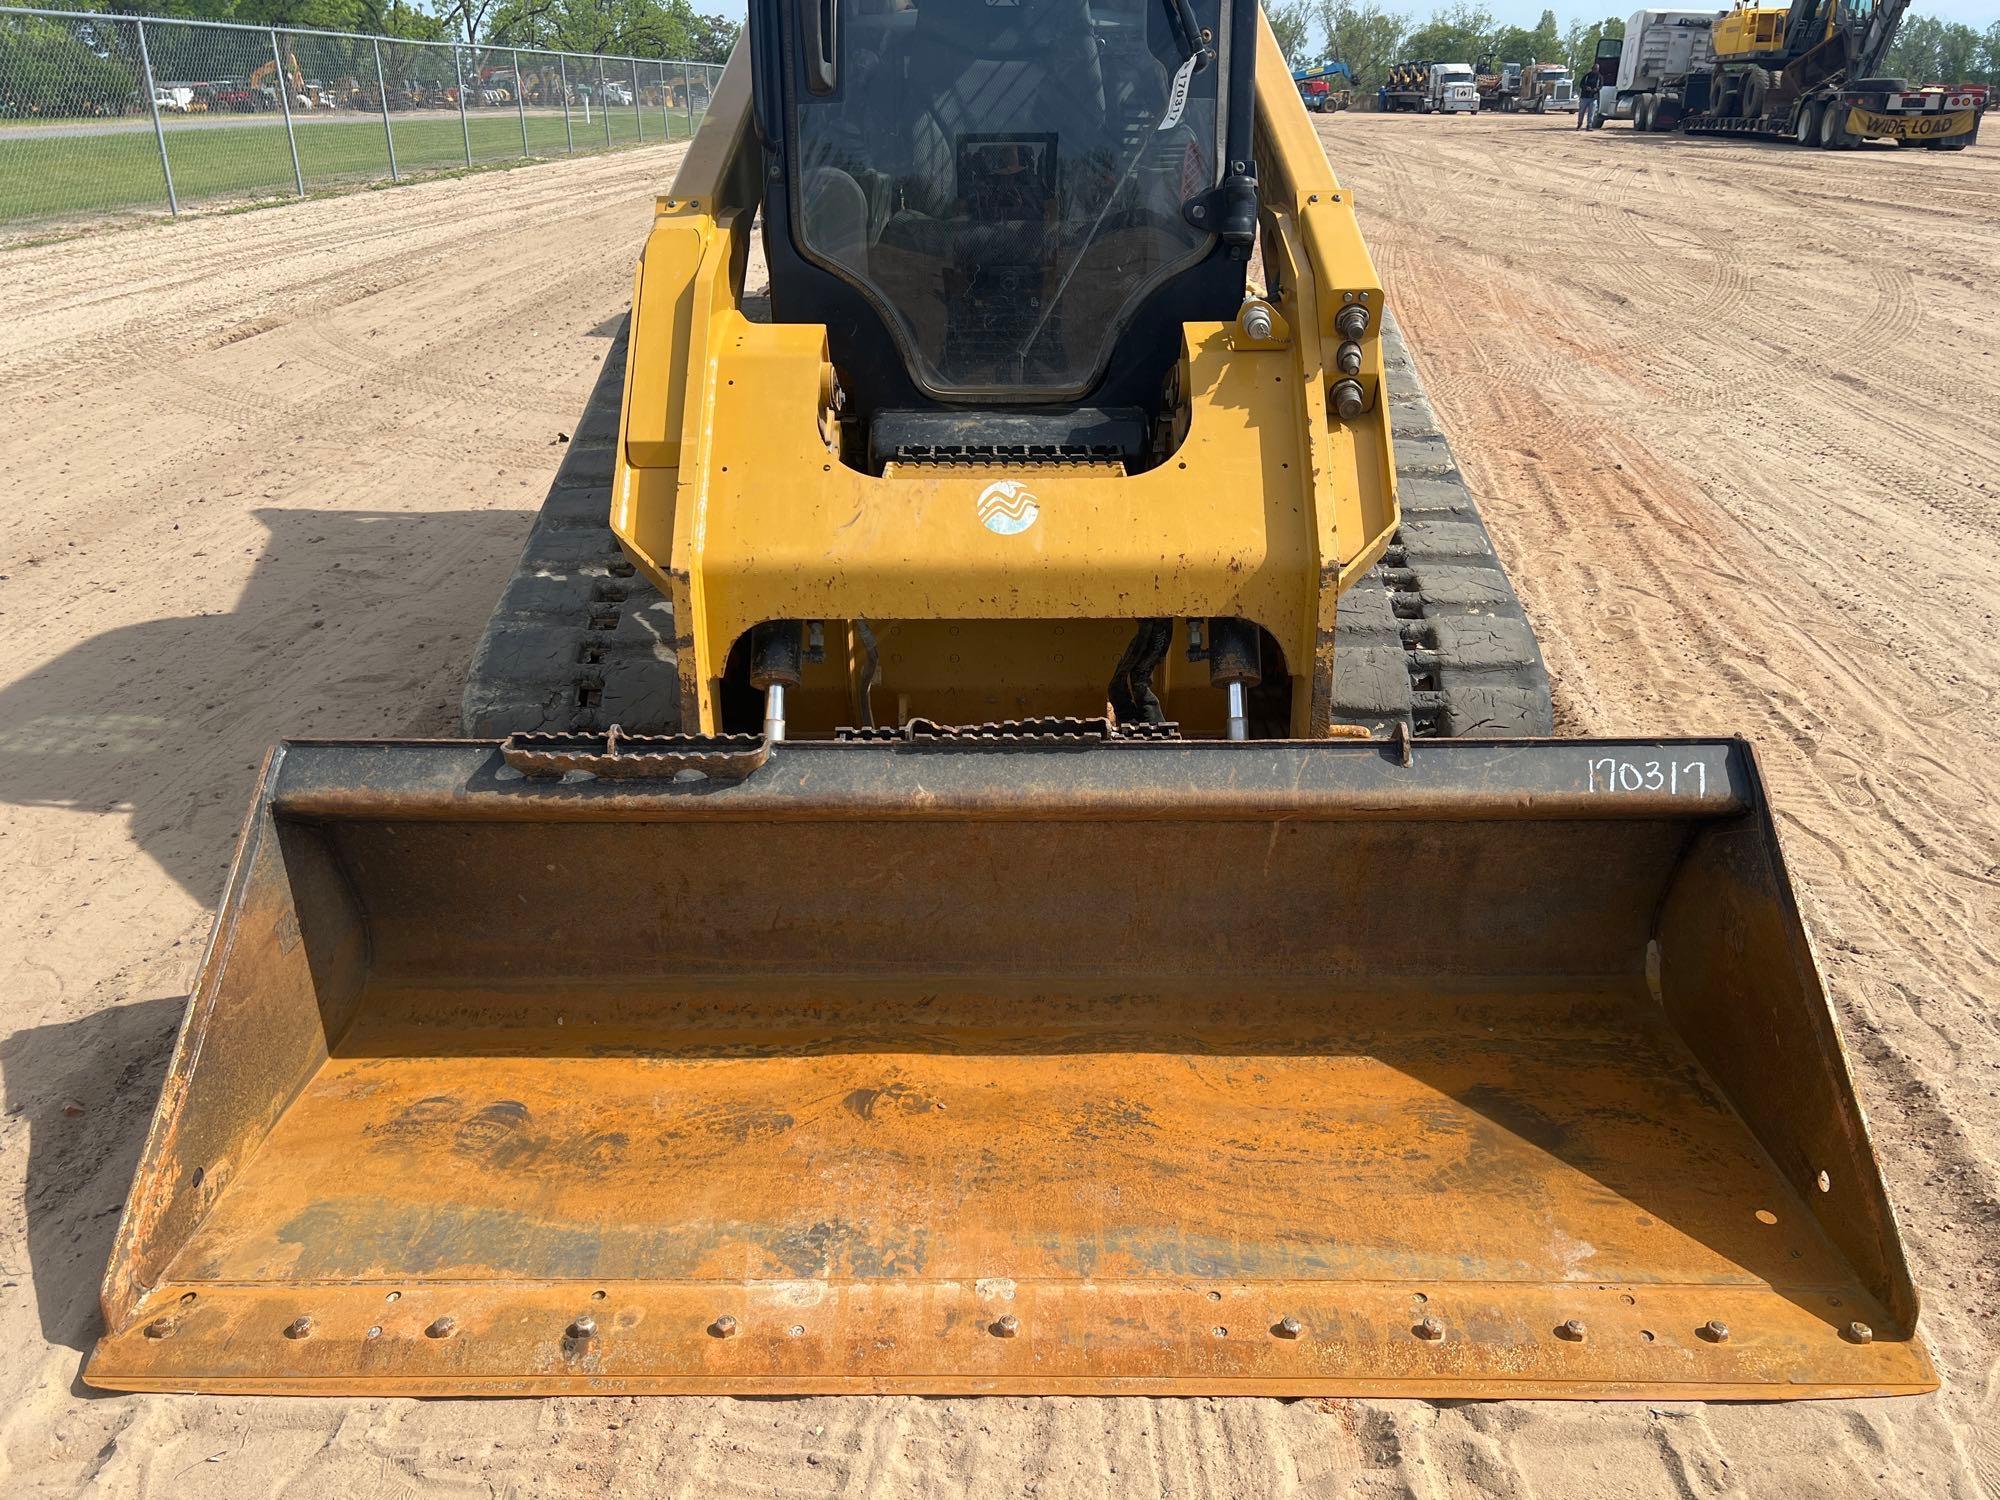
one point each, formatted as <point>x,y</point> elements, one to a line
<point>1008,507</point>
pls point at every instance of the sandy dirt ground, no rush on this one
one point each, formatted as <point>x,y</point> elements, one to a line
<point>1734,415</point>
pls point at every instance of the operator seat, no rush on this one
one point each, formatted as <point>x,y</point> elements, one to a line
<point>986,204</point>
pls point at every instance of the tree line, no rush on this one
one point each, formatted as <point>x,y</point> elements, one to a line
<point>633,28</point>
<point>1364,34</point>
<point>1370,38</point>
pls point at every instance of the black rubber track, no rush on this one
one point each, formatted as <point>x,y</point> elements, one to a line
<point>1433,637</point>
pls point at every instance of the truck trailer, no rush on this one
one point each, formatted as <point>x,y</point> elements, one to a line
<point>1430,88</point>
<point>1536,87</point>
<point>1498,86</point>
<point>1810,73</point>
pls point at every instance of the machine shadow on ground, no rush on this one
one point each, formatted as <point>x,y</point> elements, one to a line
<point>352,623</point>
<point>110,1063</point>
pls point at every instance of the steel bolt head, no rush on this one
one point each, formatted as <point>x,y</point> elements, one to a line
<point>442,1328</point>
<point>1351,321</point>
<point>1861,1333</point>
<point>1715,1331</point>
<point>1348,400</point>
<point>1006,1326</point>
<point>1256,322</point>
<point>1430,1328</point>
<point>723,1327</point>
<point>299,1328</point>
<point>1348,358</point>
<point>583,1328</point>
<point>1289,1328</point>
<point>1572,1330</point>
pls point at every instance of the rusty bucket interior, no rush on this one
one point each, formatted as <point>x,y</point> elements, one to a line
<point>1159,1067</point>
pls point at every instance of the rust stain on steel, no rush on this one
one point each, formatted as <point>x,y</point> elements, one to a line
<point>725,1101</point>
<point>1497,1341</point>
<point>1448,1137</point>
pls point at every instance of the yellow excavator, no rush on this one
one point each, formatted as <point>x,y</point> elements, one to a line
<point>1034,864</point>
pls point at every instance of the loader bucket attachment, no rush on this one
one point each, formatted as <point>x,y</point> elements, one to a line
<point>1460,1070</point>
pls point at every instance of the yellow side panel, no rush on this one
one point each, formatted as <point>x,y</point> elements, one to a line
<point>1745,33</point>
<point>732,497</point>
<point>663,300</point>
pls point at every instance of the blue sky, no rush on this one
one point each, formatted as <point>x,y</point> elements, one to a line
<point>1979,14</point>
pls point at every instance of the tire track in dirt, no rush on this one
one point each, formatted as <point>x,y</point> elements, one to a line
<point>1731,505</point>
<point>1711,535</point>
<point>224,291</point>
<point>271,471</point>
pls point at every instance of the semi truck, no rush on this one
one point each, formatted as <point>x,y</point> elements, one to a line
<point>1547,87</point>
<point>1429,88</point>
<point>1536,86</point>
<point>1809,73</point>
<point>1659,46</point>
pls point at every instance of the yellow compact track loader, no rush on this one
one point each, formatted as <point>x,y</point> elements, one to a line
<point>1033,864</point>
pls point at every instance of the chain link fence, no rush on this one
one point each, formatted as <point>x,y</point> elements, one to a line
<point>104,114</point>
